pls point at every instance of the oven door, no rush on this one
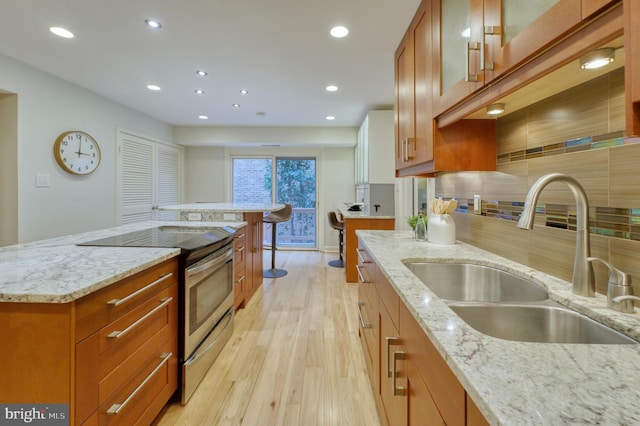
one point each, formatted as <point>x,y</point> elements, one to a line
<point>208,295</point>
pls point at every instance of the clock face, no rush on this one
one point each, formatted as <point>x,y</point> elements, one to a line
<point>77,152</point>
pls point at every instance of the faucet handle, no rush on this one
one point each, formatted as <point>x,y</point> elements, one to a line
<point>619,291</point>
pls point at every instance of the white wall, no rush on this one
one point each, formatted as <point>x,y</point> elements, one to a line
<point>208,177</point>
<point>48,106</point>
<point>8,169</point>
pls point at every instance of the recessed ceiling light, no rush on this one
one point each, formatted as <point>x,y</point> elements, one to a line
<point>236,105</point>
<point>330,117</point>
<point>61,32</point>
<point>153,24</point>
<point>203,117</point>
<point>153,87</point>
<point>244,92</point>
<point>200,91</point>
<point>331,88</point>
<point>339,31</point>
<point>201,73</point>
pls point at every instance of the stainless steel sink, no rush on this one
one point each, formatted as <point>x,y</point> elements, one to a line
<point>475,283</point>
<point>543,324</point>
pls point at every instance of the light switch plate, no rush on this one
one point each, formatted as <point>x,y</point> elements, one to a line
<point>229,216</point>
<point>477,204</point>
<point>194,216</point>
<point>43,180</point>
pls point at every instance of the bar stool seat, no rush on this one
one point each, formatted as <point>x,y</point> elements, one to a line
<point>274,218</point>
<point>338,226</point>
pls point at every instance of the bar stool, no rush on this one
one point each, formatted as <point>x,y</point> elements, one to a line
<point>274,218</point>
<point>339,226</point>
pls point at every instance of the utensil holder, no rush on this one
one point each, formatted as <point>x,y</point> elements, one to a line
<point>441,229</point>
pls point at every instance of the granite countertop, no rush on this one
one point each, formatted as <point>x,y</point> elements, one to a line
<point>227,207</point>
<point>57,271</point>
<point>519,382</point>
<point>361,215</point>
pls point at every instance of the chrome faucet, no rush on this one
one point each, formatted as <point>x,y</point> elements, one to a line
<point>583,279</point>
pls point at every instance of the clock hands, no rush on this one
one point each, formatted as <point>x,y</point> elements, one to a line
<point>79,152</point>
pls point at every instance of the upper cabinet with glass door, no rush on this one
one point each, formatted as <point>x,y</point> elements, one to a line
<point>476,41</point>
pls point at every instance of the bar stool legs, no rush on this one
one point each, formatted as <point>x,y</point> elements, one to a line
<point>273,218</point>
<point>338,226</point>
<point>273,272</point>
<point>339,263</point>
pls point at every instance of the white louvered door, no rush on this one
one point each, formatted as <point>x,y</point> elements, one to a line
<point>149,175</point>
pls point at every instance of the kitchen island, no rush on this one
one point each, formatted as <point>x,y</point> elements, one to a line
<point>92,328</point>
<point>354,220</point>
<point>517,382</point>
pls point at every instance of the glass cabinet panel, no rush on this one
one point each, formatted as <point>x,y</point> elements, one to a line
<point>456,32</point>
<point>519,14</point>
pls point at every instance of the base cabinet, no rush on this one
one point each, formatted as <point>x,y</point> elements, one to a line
<point>111,355</point>
<point>412,383</point>
<point>239,266</point>
<point>254,263</point>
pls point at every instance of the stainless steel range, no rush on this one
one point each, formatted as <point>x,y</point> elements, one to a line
<point>206,292</point>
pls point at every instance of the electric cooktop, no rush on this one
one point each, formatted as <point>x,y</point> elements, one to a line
<point>187,239</point>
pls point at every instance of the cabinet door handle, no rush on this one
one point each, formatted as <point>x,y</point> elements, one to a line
<point>118,302</point>
<point>117,334</point>
<point>239,280</point>
<point>238,236</point>
<point>362,259</point>
<point>488,30</point>
<point>471,45</point>
<point>391,341</point>
<point>362,323</point>
<point>115,408</point>
<point>240,249</point>
<point>362,279</point>
<point>397,390</point>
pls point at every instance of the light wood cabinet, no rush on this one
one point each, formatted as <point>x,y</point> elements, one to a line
<point>351,224</point>
<point>421,148</point>
<point>114,349</point>
<point>239,266</point>
<point>254,258</point>
<point>476,41</point>
<point>412,383</point>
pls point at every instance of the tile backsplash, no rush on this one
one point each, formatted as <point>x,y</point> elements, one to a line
<point>580,133</point>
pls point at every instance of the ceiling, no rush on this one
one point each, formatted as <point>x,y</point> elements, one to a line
<point>278,50</point>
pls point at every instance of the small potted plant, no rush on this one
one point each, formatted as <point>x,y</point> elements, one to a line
<point>412,220</point>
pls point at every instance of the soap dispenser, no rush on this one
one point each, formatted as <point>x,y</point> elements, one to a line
<point>619,285</point>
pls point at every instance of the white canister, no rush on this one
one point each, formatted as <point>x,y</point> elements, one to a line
<point>441,229</point>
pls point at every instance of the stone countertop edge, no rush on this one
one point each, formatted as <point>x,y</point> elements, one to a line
<point>361,215</point>
<point>56,270</point>
<point>224,207</point>
<point>518,382</point>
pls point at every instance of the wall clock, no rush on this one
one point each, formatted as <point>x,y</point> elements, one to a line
<point>77,152</point>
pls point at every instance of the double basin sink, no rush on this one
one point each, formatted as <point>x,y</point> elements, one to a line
<point>503,305</point>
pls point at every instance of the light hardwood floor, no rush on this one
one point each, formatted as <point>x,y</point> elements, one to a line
<point>294,357</point>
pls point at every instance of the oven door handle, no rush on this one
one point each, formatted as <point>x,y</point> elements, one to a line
<point>213,263</point>
<point>199,353</point>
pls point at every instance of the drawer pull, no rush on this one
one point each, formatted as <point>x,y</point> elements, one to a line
<point>397,390</point>
<point>115,408</point>
<point>391,341</point>
<point>362,323</point>
<point>117,334</point>
<point>362,259</point>
<point>118,302</point>
<point>362,280</point>
<point>238,236</point>
<point>240,249</point>
<point>239,280</point>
